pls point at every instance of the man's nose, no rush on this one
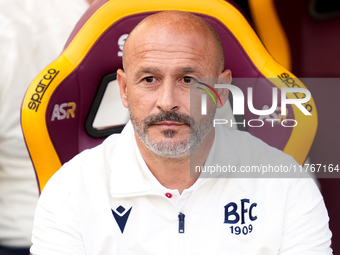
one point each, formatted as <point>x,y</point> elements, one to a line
<point>168,97</point>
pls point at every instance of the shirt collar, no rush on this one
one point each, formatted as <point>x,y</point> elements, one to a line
<point>130,175</point>
<point>126,177</point>
<point>222,153</point>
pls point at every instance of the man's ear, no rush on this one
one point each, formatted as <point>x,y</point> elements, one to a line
<point>121,78</point>
<point>224,78</point>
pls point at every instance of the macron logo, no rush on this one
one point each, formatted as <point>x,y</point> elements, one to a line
<point>121,217</point>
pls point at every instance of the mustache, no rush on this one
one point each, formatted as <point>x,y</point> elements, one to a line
<point>167,116</point>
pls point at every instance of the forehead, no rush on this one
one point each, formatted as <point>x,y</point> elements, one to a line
<point>168,47</point>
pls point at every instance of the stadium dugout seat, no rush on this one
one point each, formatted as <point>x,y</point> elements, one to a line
<point>304,36</point>
<point>59,109</point>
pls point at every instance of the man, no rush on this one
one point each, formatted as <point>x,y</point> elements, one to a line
<point>32,34</point>
<point>134,194</point>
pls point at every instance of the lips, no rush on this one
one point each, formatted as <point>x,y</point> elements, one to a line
<point>167,119</point>
<point>169,123</point>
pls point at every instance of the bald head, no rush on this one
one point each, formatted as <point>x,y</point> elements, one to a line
<point>176,24</point>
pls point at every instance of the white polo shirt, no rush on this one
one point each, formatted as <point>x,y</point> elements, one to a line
<point>105,201</point>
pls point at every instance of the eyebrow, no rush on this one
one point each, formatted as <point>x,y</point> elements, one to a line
<point>148,70</point>
<point>189,70</point>
<point>180,69</point>
<point>152,70</point>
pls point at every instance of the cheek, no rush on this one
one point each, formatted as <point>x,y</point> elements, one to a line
<point>185,98</point>
<point>195,103</point>
<point>140,103</point>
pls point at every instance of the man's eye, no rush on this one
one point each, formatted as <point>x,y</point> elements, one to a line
<point>187,79</point>
<point>149,79</point>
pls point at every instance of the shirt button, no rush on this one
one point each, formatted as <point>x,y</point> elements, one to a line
<point>168,195</point>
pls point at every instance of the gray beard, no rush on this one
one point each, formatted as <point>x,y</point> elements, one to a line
<point>169,149</point>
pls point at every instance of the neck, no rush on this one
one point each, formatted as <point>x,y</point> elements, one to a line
<point>174,173</point>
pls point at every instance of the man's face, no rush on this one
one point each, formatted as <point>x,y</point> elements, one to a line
<point>158,77</point>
